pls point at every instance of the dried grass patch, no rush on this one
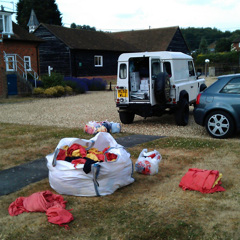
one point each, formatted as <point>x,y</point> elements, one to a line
<point>153,207</point>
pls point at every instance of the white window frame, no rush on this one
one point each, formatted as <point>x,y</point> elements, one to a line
<point>27,63</point>
<point>6,23</point>
<point>98,61</point>
<point>11,64</point>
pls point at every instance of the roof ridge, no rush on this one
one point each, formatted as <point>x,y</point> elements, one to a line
<point>142,30</point>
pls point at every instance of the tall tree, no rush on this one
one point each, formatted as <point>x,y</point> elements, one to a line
<point>203,46</point>
<point>45,10</point>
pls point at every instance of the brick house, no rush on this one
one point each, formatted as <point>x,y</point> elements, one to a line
<point>18,57</point>
<point>236,44</point>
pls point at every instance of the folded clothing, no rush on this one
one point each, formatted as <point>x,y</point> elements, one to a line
<point>53,204</point>
<point>78,154</point>
<point>205,181</point>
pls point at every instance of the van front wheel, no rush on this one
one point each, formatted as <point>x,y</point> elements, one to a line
<point>126,117</point>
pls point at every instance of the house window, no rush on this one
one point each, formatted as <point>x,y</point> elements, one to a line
<point>98,61</point>
<point>6,23</point>
<point>10,63</point>
<point>27,63</point>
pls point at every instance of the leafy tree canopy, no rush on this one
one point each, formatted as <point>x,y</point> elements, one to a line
<point>193,36</point>
<point>45,10</point>
<point>223,45</point>
<point>85,27</point>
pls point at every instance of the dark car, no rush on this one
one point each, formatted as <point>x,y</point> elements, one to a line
<point>218,107</point>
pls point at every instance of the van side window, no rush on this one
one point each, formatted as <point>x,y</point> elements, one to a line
<point>123,71</point>
<point>167,68</point>
<point>155,68</point>
<point>191,69</point>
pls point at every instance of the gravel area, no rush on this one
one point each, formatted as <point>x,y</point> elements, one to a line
<point>76,111</point>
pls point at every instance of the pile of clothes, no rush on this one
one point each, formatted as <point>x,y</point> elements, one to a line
<point>204,181</point>
<point>52,204</point>
<point>94,127</point>
<point>78,154</point>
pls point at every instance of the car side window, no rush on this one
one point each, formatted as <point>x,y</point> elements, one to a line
<point>232,87</point>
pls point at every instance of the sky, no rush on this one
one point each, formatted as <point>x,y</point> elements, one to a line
<point>125,15</point>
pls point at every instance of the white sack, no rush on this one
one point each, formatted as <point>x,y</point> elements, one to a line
<point>104,178</point>
<point>146,164</point>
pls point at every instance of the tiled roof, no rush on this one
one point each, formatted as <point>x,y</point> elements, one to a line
<point>20,34</point>
<point>157,39</point>
<point>236,40</point>
<point>88,40</point>
<point>33,19</point>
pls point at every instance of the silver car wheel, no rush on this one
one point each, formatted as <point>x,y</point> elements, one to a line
<point>218,125</point>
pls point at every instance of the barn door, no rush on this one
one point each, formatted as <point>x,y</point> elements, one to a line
<point>12,84</point>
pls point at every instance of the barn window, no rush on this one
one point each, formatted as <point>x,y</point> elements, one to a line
<point>98,61</point>
<point>27,63</point>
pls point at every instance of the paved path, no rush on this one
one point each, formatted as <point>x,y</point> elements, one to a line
<point>15,178</point>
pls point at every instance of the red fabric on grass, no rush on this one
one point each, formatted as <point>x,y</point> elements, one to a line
<point>59,216</point>
<point>201,180</point>
<point>41,202</point>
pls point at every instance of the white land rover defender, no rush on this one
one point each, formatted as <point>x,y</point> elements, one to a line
<point>154,83</point>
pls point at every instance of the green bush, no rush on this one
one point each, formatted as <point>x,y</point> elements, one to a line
<point>56,79</point>
<point>68,90</point>
<point>38,91</point>
<point>51,92</point>
<point>60,90</point>
<point>231,58</point>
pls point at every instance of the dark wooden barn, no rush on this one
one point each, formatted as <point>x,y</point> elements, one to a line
<point>75,52</point>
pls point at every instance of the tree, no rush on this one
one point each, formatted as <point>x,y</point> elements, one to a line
<point>85,27</point>
<point>203,46</point>
<point>45,10</point>
<point>223,45</point>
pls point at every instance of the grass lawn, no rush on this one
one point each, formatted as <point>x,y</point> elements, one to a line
<point>153,207</point>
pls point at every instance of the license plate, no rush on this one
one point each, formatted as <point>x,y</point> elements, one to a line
<point>122,93</point>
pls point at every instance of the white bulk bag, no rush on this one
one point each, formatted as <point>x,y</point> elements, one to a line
<point>104,178</point>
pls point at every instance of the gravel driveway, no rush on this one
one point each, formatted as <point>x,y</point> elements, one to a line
<point>76,111</point>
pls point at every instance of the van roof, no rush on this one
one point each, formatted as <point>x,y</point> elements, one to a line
<point>162,54</point>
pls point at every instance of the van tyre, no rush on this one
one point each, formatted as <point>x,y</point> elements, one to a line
<point>162,88</point>
<point>182,113</point>
<point>219,124</point>
<point>126,117</point>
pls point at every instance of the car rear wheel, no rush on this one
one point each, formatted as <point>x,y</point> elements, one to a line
<point>126,117</point>
<point>219,124</point>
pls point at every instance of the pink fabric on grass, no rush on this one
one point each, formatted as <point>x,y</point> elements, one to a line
<point>53,204</point>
